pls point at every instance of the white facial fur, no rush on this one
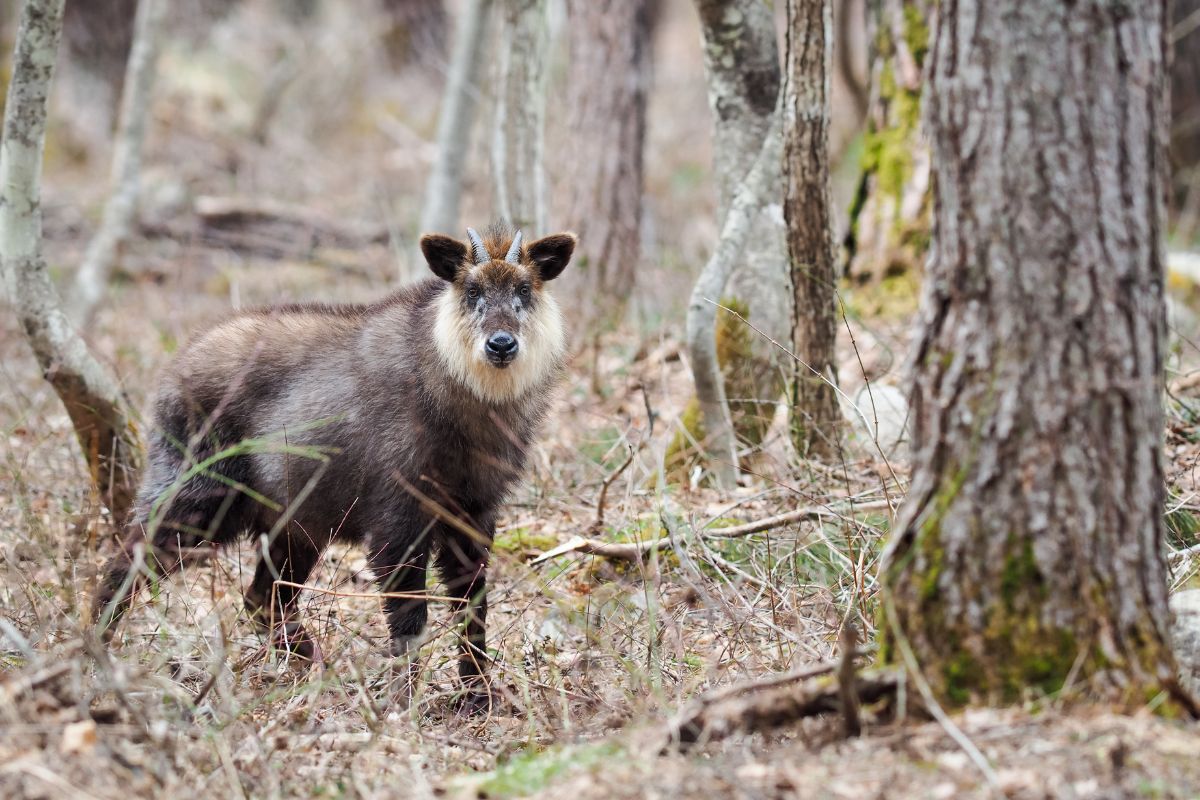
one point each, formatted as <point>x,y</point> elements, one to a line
<point>460,344</point>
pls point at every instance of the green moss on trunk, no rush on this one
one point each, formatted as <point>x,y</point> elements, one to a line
<point>740,369</point>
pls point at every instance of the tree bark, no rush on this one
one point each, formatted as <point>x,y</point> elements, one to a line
<point>102,419</point>
<point>1185,119</point>
<point>606,122</point>
<point>1029,550</point>
<point>91,280</point>
<point>456,118</point>
<point>99,35</point>
<point>518,173</point>
<point>741,61</point>
<point>415,33</point>
<point>815,415</point>
<point>889,216</point>
<point>719,438</point>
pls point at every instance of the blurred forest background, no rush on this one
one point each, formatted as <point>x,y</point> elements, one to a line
<point>209,155</point>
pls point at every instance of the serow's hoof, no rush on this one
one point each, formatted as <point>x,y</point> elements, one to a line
<point>473,703</point>
<point>294,640</point>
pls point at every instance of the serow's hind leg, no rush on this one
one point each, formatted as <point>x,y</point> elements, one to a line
<point>140,559</point>
<point>400,568</point>
<point>171,525</point>
<point>462,561</point>
<point>271,600</point>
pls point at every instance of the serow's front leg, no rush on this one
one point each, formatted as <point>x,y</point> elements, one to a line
<point>462,562</point>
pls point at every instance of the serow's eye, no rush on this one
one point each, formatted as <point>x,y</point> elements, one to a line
<point>524,291</point>
<point>473,293</point>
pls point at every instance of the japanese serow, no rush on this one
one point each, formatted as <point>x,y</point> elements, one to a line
<point>422,408</point>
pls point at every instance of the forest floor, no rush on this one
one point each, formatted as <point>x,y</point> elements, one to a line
<point>591,656</point>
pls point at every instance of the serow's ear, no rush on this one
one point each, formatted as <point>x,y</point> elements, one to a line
<point>551,254</point>
<point>444,255</point>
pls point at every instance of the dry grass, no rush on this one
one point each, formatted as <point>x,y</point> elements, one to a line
<point>190,699</point>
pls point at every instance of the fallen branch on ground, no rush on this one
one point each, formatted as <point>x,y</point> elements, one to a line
<point>633,551</point>
<point>268,229</point>
<point>772,703</point>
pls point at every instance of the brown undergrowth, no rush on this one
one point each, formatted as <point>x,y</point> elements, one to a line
<point>591,656</point>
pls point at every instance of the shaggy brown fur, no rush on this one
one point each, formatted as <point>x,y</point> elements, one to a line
<point>420,433</point>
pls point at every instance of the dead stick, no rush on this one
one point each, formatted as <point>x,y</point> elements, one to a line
<point>848,683</point>
<point>633,551</point>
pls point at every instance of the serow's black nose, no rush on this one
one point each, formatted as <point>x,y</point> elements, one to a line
<point>501,347</point>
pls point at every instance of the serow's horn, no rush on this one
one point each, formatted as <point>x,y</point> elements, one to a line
<point>514,250</point>
<point>478,251</point>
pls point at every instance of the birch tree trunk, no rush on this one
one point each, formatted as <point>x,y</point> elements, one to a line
<point>716,433</point>
<point>1030,546</point>
<point>518,142</point>
<point>103,422</point>
<point>889,216</point>
<point>456,118</point>
<point>741,61</point>
<point>606,121</point>
<point>815,416</point>
<point>120,211</point>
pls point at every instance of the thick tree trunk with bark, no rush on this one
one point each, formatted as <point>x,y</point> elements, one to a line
<point>889,216</point>
<point>606,122</point>
<point>103,421</point>
<point>456,118</point>
<point>741,63</point>
<point>1030,546</point>
<point>815,416</point>
<point>518,128</point>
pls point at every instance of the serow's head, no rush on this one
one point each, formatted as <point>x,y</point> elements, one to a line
<point>498,329</point>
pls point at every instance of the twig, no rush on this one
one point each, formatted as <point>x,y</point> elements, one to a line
<point>599,523</point>
<point>848,683</point>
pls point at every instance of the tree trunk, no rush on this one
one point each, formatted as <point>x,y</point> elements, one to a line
<point>518,176</point>
<point>716,433</point>
<point>1185,120</point>
<point>415,32</point>
<point>606,122</point>
<point>99,35</point>
<point>91,280</point>
<point>103,422</point>
<point>889,216</point>
<point>1030,546</point>
<point>456,118</point>
<point>741,62</point>
<point>815,416</point>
